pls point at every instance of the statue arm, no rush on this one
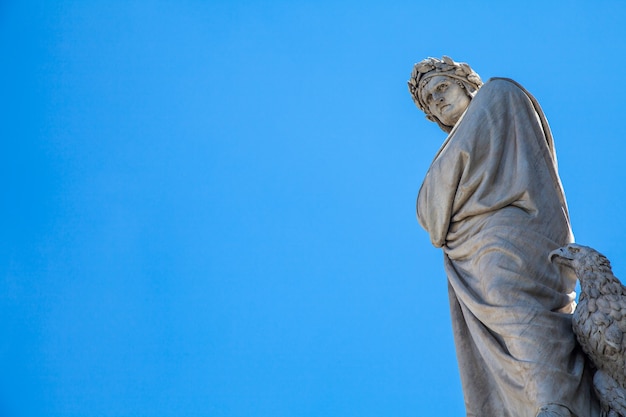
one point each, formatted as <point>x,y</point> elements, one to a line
<point>436,199</point>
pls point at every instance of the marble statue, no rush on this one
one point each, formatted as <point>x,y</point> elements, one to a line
<point>599,322</point>
<point>493,201</point>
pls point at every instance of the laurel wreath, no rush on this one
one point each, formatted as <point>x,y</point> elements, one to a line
<point>443,66</point>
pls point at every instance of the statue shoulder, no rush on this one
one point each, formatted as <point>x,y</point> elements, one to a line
<point>503,85</point>
<point>501,92</point>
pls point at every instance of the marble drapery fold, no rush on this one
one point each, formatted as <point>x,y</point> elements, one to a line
<point>492,199</point>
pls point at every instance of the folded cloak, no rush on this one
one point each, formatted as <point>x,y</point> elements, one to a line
<point>493,200</point>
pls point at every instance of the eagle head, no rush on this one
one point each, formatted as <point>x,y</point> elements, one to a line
<point>580,258</point>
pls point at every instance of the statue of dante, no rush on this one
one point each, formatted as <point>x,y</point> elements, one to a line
<point>493,201</point>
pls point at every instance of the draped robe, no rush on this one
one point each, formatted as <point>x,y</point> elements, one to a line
<point>493,200</point>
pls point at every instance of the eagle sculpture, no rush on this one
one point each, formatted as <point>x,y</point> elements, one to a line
<point>599,322</point>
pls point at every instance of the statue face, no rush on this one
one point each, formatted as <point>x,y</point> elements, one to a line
<point>445,98</point>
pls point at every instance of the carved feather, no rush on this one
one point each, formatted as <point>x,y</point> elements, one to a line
<point>599,322</point>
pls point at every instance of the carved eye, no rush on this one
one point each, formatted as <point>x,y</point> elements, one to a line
<point>429,98</point>
<point>442,86</point>
<point>574,250</point>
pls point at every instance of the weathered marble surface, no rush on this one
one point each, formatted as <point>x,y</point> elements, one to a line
<point>599,322</point>
<point>493,201</point>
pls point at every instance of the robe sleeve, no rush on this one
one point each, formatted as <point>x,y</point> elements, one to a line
<point>436,198</point>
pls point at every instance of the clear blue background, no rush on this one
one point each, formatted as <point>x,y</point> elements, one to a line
<point>208,206</point>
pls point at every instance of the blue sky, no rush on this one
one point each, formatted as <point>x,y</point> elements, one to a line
<point>209,207</point>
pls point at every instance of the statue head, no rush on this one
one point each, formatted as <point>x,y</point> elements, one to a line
<point>442,89</point>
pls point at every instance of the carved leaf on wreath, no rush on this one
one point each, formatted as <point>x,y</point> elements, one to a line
<point>424,67</point>
<point>466,68</point>
<point>473,78</point>
<point>448,60</point>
